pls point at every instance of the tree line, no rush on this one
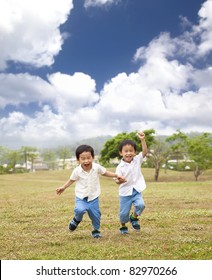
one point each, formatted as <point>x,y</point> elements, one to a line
<point>9,159</point>
<point>177,151</point>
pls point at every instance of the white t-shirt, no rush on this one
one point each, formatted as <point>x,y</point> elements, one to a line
<point>132,173</point>
<point>87,183</point>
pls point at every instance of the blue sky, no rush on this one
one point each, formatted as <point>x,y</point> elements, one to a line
<point>70,70</point>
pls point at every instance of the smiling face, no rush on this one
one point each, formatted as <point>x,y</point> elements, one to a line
<point>128,152</point>
<point>86,159</point>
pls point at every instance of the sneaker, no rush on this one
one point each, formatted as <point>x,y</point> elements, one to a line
<point>135,223</point>
<point>73,224</point>
<point>124,230</point>
<point>96,233</point>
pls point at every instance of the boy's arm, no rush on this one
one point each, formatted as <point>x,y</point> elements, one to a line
<point>114,175</point>
<point>141,136</point>
<point>110,174</point>
<point>65,186</point>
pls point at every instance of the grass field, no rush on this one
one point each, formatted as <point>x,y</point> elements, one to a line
<point>176,224</point>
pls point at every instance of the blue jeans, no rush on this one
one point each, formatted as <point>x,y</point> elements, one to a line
<point>91,207</point>
<point>126,203</point>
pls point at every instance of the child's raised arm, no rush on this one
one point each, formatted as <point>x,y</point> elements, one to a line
<point>141,136</point>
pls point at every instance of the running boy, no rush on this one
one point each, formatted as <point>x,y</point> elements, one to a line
<point>87,188</point>
<point>130,191</point>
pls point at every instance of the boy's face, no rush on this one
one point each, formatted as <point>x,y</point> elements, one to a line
<point>128,152</point>
<point>86,159</point>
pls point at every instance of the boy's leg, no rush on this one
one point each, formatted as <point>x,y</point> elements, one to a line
<point>125,206</point>
<point>138,203</point>
<point>79,210</point>
<point>95,216</point>
<point>94,213</point>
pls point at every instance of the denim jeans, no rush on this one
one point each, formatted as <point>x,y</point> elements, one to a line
<point>126,203</point>
<point>91,207</point>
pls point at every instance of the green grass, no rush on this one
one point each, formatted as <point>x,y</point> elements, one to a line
<point>176,223</point>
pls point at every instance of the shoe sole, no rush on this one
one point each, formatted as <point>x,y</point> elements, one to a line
<point>96,237</point>
<point>135,229</point>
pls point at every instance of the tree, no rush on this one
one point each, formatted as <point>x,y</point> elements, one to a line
<point>110,149</point>
<point>3,152</point>
<point>158,154</point>
<point>178,146</point>
<point>64,153</point>
<point>13,156</point>
<point>200,150</point>
<point>49,156</point>
<point>29,153</point>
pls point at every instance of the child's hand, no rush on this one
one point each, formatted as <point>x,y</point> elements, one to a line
<point>120,180</point>
<point>141,135</point>
<point>59,190</point>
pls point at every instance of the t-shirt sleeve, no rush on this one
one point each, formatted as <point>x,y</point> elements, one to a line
<point>101,169</point>
<point>118,171</point>
<point>140,157</point>
<point>74,175</point>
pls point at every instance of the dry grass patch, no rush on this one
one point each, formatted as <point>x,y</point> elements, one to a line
<point>176,223</point>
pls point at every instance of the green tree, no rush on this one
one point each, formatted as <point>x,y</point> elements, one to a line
<point>110,149</point>
<point>29,154</point>
<point>3,152</point>
<point>64,153</point>
<point>13,157</point>
<point>200,150</point>
<point>178,146</point>
<point>49,157</point>
<point>158,154</point>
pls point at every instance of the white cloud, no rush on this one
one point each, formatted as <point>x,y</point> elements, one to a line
<point>204,28</point>
<point>73,92</point>
<point>19,89</point>
<point>44,129</point>
<point>30,30</point>
<point>202,78</point>
<point>160,70</point>
<point>99,3</point>
<point>70,99</point>
<point>197,43</point>
<point>140,107</point>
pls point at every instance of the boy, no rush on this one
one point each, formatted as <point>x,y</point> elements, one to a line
<point>87,189</point>
<point>130,191</point>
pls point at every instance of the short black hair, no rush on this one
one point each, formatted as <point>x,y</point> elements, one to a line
<point>84,148</point>
<point>127,142</point>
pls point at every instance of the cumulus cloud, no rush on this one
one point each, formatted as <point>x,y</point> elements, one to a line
<point>19,89</point>
<point>204,28</point>
<point>70,102</point>
<point>160,69</point>
<point>73,92</point>
<point>30,30</point>
<point>45,128</point>
<point>196,44</point>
